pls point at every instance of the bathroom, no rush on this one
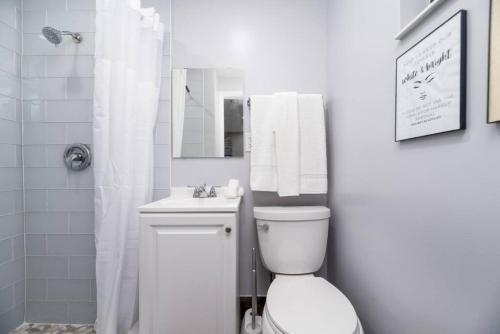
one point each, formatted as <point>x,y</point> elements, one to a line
<point>409,237</point>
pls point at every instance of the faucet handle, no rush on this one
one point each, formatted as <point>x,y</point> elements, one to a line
<point>212,192</point>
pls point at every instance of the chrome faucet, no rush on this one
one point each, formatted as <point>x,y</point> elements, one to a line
<point>201,192</point>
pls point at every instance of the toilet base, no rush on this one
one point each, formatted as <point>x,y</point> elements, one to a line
<point>269,328</point>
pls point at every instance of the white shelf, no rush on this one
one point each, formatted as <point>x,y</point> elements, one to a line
<point>418,19</point>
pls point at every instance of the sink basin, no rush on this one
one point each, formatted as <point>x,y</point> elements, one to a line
<point>181,200</point>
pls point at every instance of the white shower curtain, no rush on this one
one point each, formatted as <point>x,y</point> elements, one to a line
<point>179,80</point>
<point>127,84</point>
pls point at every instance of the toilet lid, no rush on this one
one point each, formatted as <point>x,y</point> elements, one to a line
<point>309,305</point>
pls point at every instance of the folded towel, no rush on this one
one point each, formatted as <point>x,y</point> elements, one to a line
<point>313,164</point>
<point>263,162</point>
<point>287,143</point>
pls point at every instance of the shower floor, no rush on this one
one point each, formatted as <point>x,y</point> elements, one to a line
<point>53,329</point>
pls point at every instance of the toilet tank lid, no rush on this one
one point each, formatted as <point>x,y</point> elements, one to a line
<point>291,213</point>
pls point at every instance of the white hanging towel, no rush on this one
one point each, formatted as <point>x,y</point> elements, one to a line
<point>313,164</point>
<point>263,161</point>
<point>287,143</point>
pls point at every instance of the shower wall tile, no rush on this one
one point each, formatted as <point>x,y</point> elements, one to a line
<point>69,289</point>
<point>70,245</point>
<point>81,5</point>
<point>44,4</point>
<point>33,45</point>
<point>80,21</point>
<point>46,223</point>
<point>57,111</point>
<point>69,66</point>
<point>12,257</point>
<point>36,289</point>
<point>10,108</point>
<point>10,38</point>
<point>9,12</point>
<point>82,267</point>
<point>46,267</point>
<point>36,245</point>
<point>81,312</point>
<point>47,312</point>
<point>69,111</point>
<point>9,61</point>
<point>80,88</point>
<point>34,21</point>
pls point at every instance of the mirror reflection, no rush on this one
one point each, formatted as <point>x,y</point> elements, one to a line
<point>207,113</point>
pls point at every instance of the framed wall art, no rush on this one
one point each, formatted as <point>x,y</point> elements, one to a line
<point>494,68</point>
<point>431,82</point>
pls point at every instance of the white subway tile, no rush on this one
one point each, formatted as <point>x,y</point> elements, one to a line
<point>162,134</point>
<point>11,179</point>
<point>81,180</point>
<point>54,153</point>
<point>81,5</point>
<point>8,61</point>
<point>8,12</point>
<point>79,133</point>
<point>45,88</point>
<point>161,178</point>
<point>44,133</point>
<point>10,38</point>
<point>34,66</point>
<point>34,21</point>
<point>69,111</point>
<point>46,223</point>
<point>36,200</point>
<point>9,108</point>
<point>70,66</point>
<point>45,178</point>
<point>35,156</point>
<point>10,132</point>
<point>80,88</point>
<point>164,111</point>
<point>34,44</point>
<point>165,90</point>
<point>162,156</point>
<point>78,21</point>
<point>10,85</point>
<point>34,111</point>
<point>8,155</point>
<point>44,4</point>
<point>73,200</point>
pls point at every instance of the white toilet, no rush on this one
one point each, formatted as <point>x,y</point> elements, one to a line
<point>292,245</point>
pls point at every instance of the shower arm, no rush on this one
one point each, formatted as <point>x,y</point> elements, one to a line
<point>77,37</point>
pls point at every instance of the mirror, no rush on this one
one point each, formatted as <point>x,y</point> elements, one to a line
<point>207,113</point>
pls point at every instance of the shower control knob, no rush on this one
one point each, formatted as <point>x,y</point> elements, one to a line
<point>77,156</point>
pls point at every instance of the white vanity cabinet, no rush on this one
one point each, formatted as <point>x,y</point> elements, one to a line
<point>188,266</point>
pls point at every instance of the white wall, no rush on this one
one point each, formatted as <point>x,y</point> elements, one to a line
<point>280,45</point>
<point>416,241</point>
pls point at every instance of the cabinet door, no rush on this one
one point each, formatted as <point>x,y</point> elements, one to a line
<point>192,258</point>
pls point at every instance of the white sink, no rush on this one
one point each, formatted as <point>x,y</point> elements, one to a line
<point>181,200</point>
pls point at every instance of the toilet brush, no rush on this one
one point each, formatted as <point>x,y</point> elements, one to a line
<point>252,323</point>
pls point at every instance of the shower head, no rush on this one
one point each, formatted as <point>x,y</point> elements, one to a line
<point>54,36</point>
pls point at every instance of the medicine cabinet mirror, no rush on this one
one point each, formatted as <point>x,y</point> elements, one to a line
<point>207,113</point>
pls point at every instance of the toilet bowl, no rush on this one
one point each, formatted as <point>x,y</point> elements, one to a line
<point>292,242</point>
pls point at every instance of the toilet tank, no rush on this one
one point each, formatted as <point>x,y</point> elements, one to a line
<point>292,239</point>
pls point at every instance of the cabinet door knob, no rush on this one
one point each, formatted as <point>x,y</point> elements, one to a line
<point>228,230</point>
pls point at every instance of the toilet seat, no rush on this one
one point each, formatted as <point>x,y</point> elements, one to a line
<point>304,304</point>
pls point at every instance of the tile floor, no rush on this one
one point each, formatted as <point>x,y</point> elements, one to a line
<point>54,329</point>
